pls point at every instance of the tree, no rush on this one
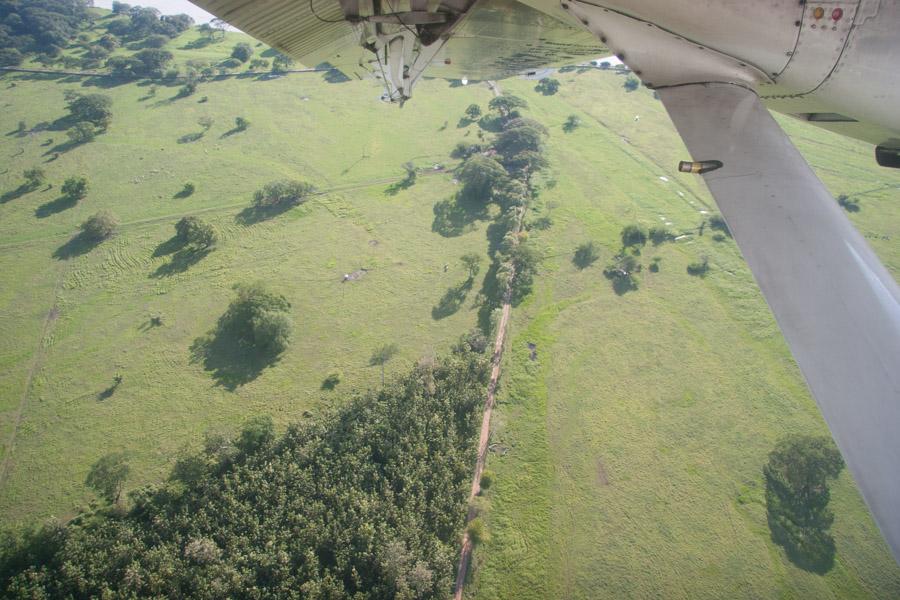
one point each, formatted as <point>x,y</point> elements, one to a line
<point>75,188</point>
<point>257,433</point>
<point>156,41</point>
<point>847,203</point>
<point>479,174</point>
<point>99,226</point>
<point>797,497</point>
<point>241,124</point>
<point>586,254</point>
<point>193,231</point>
<point>382,355</point>
<point>633,236</point>
<point>34,177</point>
<point>514,141</point>
<point>92,108</point>
<point>506,104</point>
<point>242,52</point>
<point>631,84</point>
<point>108,475</point>
<point>10,57</point>
<point>281,63</point>
<point>572,123</point>
<point>411,174</point>
<point>473,112</point>
<point>282,193</point>
<point>81,132</point>
<point>258,320</point>
<point>547,86</point>
<point>660,235</point>
<point>472,263</point>
<point>152,62</point>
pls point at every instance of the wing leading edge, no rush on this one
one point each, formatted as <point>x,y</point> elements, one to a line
<point>837,305</point>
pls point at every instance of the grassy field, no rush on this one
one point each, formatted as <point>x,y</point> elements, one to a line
<point>68,326</point>
<point>629,455</point>
<point>629,452</point>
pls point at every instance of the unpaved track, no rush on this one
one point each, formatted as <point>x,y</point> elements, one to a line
<point>466,552</point>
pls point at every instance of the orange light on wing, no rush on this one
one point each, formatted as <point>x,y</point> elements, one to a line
<point>818,13</point>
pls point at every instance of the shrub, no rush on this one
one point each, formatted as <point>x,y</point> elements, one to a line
<point>654,264</point>
<point>187,89</point>
<point>464,150</point>
<point>188,189</point>
<point>487,479</point>
<point>241,124</point>
<point>478,532</point>
<point>622,272</point>
<point>242,52</point>
<point>631,84</point>
<point>547,86</point>
<point>259,63</point>
<point>34,177</point>
<point>230,63</point>
<point>572,123</point>
<point>332,380</point>
<point>633,236</point>
<point>585,255</point>
<point>99,226</point>
<point>282,193</point>
<point>699,268</point>
<point>75,188</point>
<point>718,223</point>
<point>848,204</point>
<point>660,235</point>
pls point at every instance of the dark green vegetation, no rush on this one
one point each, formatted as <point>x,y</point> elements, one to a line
<point>627,445</point>
<point>797,497</point>
<point>364,502</point>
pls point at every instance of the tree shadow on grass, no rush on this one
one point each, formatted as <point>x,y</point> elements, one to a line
<point>490,297</point>
<point>257,214</point>
<point>803,533</point>
<point>17,193</point>
<point>455,216</point>
<point>55,206</point>
<point>181,261</point>
<point>452,300</point>
<point>77,246</point>
<point>171,245</point>
<point>229,362</point>
<point>189,138</point>
<point>398,186</point>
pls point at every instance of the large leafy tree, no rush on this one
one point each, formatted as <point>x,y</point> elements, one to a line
<point>480,174</point>
<point>797,497</point>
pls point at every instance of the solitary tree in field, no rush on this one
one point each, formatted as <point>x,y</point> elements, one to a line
<point>797,497</point>
<point>241,124</point>
<point>108,475</point>
<point>34,177</point>
<point>472,263</point>
<point>473,112</point>
<point>99,226</point>
<point>282,193</point>
<point>242,52</point>
<point>633,236</point>
<point>75,188</point>
<point>193,231</point>
<point>585,255</point>
<point>382,355</point>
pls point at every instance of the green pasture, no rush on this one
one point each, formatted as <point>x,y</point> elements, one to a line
<point>628,455</point>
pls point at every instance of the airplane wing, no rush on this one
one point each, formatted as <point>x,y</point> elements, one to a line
<point>474,39</point>
<point>838,307</point>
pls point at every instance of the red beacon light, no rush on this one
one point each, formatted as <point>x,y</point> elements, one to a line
<point>837,14</point>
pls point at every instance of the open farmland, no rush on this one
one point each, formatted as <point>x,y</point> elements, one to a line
<point>629,440</point>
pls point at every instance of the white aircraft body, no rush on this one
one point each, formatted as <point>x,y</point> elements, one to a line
<point>718,66</point>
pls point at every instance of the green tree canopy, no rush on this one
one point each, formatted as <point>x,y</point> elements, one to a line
<point>92,108</point>
<point>506,104</point>
<point>282,193</point>
<point>479,174</point>
<point>75,188</point>
<point>258,319</point>
<point>242,51</point>
<point>99,226</point>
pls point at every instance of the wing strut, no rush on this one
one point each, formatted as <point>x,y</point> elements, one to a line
<point>838,306</point>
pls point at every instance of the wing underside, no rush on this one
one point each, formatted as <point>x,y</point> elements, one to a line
<point>838,307</point>
<point>492,38</point>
